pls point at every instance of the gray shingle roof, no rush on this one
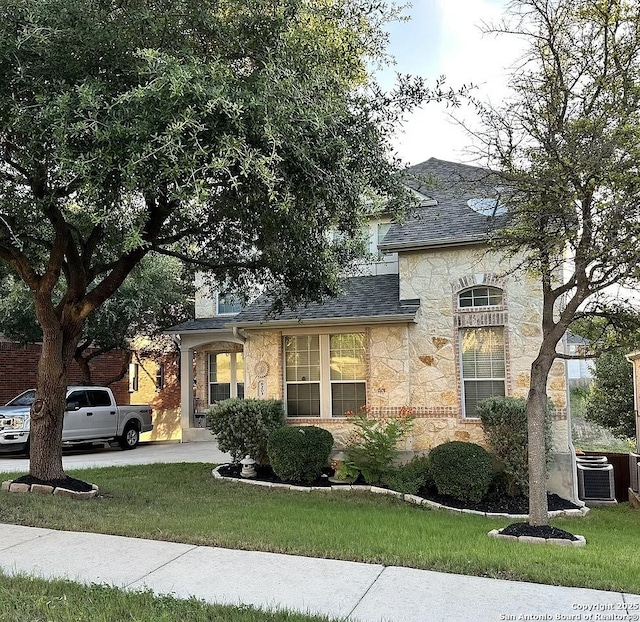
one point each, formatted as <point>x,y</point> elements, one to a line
<point>367,298</point>
<point>451,221</point>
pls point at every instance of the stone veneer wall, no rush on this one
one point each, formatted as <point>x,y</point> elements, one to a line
<point>416,364</point>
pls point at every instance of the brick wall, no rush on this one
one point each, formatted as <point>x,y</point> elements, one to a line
<point>18,366</point>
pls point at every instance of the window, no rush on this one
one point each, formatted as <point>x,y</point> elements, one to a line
<point>79,398</point>
<point>134,377</point>
<point>483,366</point>
<point>160,377</point>
<point>98,398</point>
<point>480,297</point>
<point>383,229</point>
<point>228,304</point>
<point>325,375</point>
<point>226,376</point>
<point>302,374</point>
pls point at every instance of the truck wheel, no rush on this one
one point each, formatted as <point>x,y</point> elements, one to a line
<point>130,437</point>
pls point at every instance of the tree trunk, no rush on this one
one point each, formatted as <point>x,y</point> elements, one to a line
<point>47,412</point>
<point>536,414</point>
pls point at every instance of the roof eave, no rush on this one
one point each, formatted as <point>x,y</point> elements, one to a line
<point>199,331</point>
<point>417,246</point>
<point>333,321</point>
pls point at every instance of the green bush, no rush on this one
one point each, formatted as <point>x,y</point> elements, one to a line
<point>409,478</point>
<point>462,470</point>
<point>242,427</point>
<point>504,420</point>
<point>374,444</point>
<point>298,453</point>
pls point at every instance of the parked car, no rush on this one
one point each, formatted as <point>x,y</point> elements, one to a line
<point>91,415</point>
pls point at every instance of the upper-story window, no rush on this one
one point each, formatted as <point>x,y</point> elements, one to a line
<point>228,304</point>
<point>480,297</point>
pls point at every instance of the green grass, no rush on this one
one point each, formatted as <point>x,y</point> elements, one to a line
<point>184,503</point>
<point>24,599</point>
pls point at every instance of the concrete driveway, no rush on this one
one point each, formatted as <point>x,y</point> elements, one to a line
<point>145,453</point>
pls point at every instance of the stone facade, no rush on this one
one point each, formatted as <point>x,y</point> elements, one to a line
<point>416,365</point>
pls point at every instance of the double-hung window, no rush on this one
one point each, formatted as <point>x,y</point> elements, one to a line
<point>483,366</point>
<point>325,375</point>
<point>482,348</point>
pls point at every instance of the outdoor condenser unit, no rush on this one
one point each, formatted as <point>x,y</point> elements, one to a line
<point>595,482</point>
<point>591,459</point>
<point>634,472</point>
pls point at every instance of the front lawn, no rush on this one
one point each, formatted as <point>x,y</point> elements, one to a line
<point>184,503</point>
<point>24,599</point>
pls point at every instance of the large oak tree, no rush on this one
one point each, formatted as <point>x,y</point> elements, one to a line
<point>231,134</point>
<point>567,143</point>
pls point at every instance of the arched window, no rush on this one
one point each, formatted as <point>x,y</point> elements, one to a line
<point>480,296</point>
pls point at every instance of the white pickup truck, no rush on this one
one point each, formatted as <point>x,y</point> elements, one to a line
<point>91,416</point>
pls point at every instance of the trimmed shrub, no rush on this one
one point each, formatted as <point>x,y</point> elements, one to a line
<point>409,478</point>
<point>373,446</point>
<point>298,453</point>
<point>462,470</point>
<point>504,420</point>
<point>242,427</point>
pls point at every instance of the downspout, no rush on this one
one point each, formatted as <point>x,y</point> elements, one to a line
<point>238,335</point>
<point>572,449</point>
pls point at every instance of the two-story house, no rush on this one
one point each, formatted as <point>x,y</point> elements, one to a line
<point>437,323</point>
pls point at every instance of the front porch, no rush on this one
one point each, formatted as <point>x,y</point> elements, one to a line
<point>211,370</point>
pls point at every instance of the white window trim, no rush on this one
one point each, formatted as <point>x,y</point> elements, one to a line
<point>461,368</point>
<point>227,313</point>
<point>233,378</point>
<point>325,382</point>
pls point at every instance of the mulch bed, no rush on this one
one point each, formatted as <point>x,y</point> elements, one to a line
<point>540,531</point>
<point>495,502</point>
<point>70,483</point>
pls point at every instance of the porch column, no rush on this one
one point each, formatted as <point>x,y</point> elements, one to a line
<point>186,388</point>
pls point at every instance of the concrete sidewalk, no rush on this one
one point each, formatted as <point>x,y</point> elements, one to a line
<point>339,589</point>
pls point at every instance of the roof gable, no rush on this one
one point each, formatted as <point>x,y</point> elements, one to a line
<point>451,220</point>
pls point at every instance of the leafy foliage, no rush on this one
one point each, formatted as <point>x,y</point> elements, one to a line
<point>243,426</point>
<point>609,400</point>
<point>229,134</point>
<point>156,295</point>
<point>409,478</point>
<point>299,453</point>
<point>504,420</point>
<point>373,446</point>
<point>462,470</point>
<point>566,144</point>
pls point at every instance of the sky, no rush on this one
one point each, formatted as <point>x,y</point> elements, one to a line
<point>444,37</point>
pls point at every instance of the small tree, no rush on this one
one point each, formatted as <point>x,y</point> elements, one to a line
<point>504,420</point>
<point>609,400</point>
<point>567,145</point>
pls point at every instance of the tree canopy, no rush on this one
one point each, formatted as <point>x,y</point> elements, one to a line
<point>156,295</point>
<point>566,143</point>
<point>231,134</point>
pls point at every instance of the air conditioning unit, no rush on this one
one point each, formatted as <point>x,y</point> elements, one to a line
<point>634,472</point>
<point>595,483</point>
<point>591,459</point>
